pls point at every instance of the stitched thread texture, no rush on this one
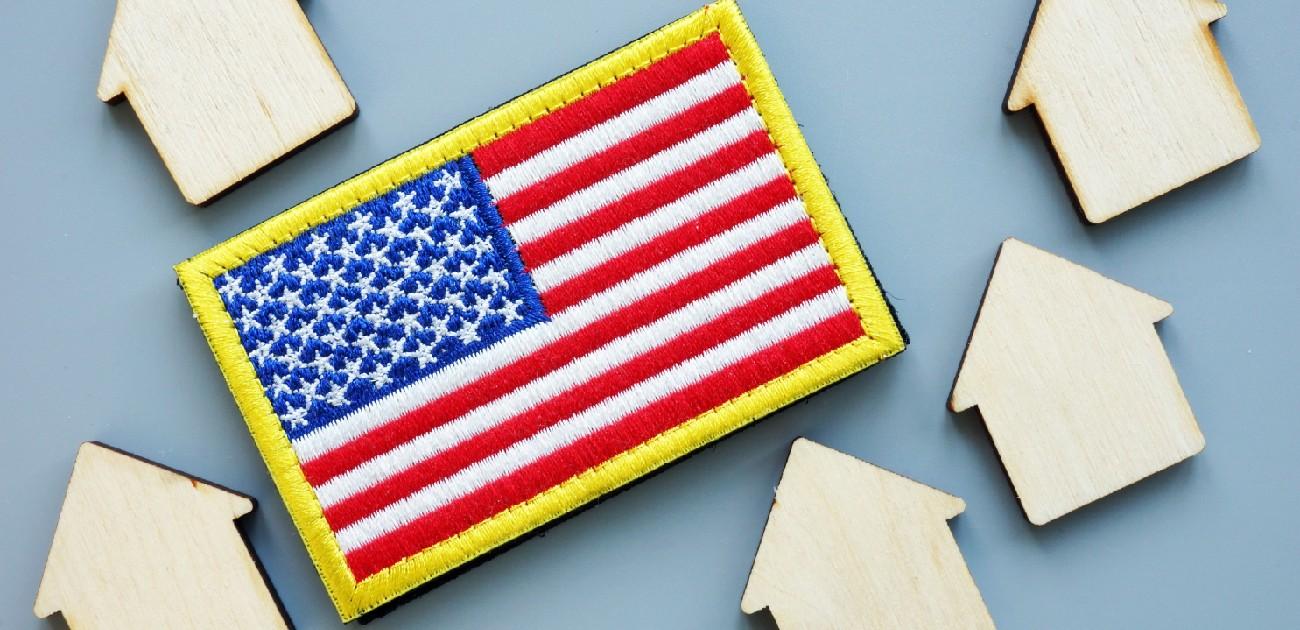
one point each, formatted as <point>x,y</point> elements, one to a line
<point>688,271</point>
<point>379,297</point>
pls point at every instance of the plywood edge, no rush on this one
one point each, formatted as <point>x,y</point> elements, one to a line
<point>1019,91</point>
<point>963,396</point>
<point>1211,11</point>
<point>751,600</point>
<point>112,76</point>
<point>758,594</point>
<point>960,399</point>
<point>50,596</point>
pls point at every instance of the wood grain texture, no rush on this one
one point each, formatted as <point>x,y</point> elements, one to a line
<point>1071,378</point>
<point>222,88</point>
<point>1135,97</point>
<point>142,546</point>
<point>850,545</point>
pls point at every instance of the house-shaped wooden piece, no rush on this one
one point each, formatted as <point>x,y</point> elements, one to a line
<point>1073,382</point>
<point>142,546</point>
<point>1135,97</point>
<point>850,545</point>
<point>222,88</point>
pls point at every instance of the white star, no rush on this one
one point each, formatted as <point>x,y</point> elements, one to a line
<point>360,224</point>
<point>421,233</point>
<point>482,305</point>
<point>334,275</point>
<point>229,290</point>
<point>468,332</point>
<point>451,241</point>
<point>372,312</point>
<point>293,297</point>
<point>379,376</point>
<point>439,327</point>
<point>409,321</point>
<point>279,327</point>
<point>410,262</point>
<point>496,278</point>
<point>511,311</point>
<point>449,181</point>
<point>465,213</point>
<point>337,395</point>
<point>322,365</point>
<point>319,302</point>
<point>352,367</point>
<point>318,378</point>
<point>348,250</point>
<point>297,416</point>
<point>319,244</point>
<point>261,295</point>
<point>405,201</point>
<point>482,246</point>
<point>308,379</point>
<point>462,274</point>
<point>259,354</point>
<point>425,357</point>
<point>367,343</point>
<point>349,311</point>
<point>280,384</point>
<point>335,336</point>
<point>275,267</point>
<point>391,229</point>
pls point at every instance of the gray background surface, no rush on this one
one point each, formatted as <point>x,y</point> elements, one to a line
<point>900,102</point>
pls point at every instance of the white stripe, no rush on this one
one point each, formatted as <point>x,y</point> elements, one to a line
<point>606,413</point>
<point>578,371</point>
<point>467,369</point>
<point>577,148</point>
<point>652,169</point>
<point>644,229</point>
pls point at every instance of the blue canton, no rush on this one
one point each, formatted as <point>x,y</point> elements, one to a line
<point>379,297</point>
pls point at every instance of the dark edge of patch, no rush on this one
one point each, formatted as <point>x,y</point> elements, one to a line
<point>540,531</point>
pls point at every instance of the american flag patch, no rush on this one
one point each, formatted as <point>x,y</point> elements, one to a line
<point>495,328</point>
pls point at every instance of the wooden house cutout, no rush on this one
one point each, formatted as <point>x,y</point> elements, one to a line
<point>1073,382</point>
<point>142,546</point>
<point>1134,95</point>
<point>850,545</point>
<point>222,88</point>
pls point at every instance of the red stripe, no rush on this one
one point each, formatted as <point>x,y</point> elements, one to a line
<point>644,201</point>
<point>624,154</point>
<point>599,106</point>
<point>590,451</point>
<point>575,400</point>
<point>668,244</point>
<point>501,382</point>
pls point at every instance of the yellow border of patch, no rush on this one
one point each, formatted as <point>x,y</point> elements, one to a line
<point>351,598</point>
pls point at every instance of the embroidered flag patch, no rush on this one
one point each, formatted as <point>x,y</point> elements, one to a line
<point>497,327</point>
